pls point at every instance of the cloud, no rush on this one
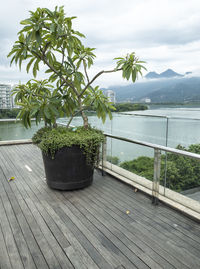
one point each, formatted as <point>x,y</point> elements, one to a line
<point>164,33</point>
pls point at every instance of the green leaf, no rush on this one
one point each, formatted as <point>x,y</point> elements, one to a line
<point>38,37</point>
<point>34,111</point>
<point>54,110</point>
<point>48,71</point>
<point>25,22</point>
<point>52,27</point>
<point>49,12</point>
<point>29,64</point>
<point>47,112</point>
<point>36,67</point>
<point>134,75</point>
<point>29,37</point>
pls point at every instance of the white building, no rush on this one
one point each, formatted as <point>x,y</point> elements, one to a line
<point>6,100</point>
<point>111,96</point>
<point>147,100</point>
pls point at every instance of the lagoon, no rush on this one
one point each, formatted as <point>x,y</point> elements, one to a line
<point>168,126</point>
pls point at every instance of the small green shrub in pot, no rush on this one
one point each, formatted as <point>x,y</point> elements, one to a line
<point>48,40</point>
<point>51,140</point>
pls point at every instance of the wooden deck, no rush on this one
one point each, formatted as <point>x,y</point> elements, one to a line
<point>43,228</point>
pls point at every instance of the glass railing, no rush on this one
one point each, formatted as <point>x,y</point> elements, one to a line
<point>11,129</point>
<point>160,171</point>
<point>162,130</point>
<point>135,161</point>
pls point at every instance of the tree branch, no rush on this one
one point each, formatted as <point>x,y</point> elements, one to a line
<point>85,69</point>
<point>96,76</point>
<point>57,73</point>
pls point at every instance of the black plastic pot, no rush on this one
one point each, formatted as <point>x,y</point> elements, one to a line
<point>68,170</point>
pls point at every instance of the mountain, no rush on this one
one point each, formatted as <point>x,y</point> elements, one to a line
<point>176,89</point>
<point>188,73</point>
<point>152,75</point>
<point>169,73</point>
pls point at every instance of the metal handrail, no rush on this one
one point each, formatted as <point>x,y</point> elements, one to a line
<point>155,146</point>
<point>156,116</point>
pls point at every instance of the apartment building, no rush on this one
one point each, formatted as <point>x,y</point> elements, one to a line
<point>111,96</point>
<point>6,100</point>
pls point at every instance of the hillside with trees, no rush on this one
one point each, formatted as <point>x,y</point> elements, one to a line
<point>9,113</point>
<point>183,173</point>
<point>165,90</point>
<point>122,107</point>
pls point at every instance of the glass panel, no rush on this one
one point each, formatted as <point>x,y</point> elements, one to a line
<point>94,121</point>
<point>183,175</point>
<point>149,129</point>
<point>139,160</point>
<point>11,130</point>
<point>183,131</point>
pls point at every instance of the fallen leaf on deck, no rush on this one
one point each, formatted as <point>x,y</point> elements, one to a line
<point>12,178</point>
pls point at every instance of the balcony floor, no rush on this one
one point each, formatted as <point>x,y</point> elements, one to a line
<point>89,228</point>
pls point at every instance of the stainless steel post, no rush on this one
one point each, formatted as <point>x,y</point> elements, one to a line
<point>156,178</point>
<point>166,144</point>
<point>104,155</point>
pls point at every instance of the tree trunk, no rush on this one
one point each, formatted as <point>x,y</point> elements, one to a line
<point>85,120</point>
<point>84,117</point>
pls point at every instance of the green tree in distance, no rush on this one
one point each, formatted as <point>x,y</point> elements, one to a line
<point>122,107</point>
<point>48,40</point>
<point>183,173</point>
<point>8,113</point>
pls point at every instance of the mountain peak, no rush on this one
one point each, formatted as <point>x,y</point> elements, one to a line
<point>152,75</point>
<point>169,73</point>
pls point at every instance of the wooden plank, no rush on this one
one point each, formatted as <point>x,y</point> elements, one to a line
<point>99,233</point>
<point>97,245</point>
<point>85,241</point>
<point>149,209</point>
<point>83,253</point>
<point>4,257</point>
<point>184,219</point>
<point>41,241</point>
<point>129,236</point>
<point>180,219</point>
<point>51,240</point>
<point>12,249</point>
<point>21,244</point>
<point>107,228</point>
<point>32,244</point>
<point>171,246</point>
<point>59,253</point>
<point>122,219</point>
<point>98,215</point>
<point>161,221</point>
<point>15,142</point>
<point>76,214</point>
<point>56,248</point>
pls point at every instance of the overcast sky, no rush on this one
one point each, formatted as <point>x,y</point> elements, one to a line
<point>164,33</point>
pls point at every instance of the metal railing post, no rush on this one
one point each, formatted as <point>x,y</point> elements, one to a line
<point>104,155</point>
<point>156,177</point>
<point>166,144</point>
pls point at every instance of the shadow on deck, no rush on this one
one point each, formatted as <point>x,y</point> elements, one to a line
<point>107,225</point>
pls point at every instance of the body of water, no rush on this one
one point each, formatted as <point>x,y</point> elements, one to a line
<point>12,130</point>
<point>169,127</point>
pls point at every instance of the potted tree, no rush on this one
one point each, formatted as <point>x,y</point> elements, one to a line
<point>47,41</point>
